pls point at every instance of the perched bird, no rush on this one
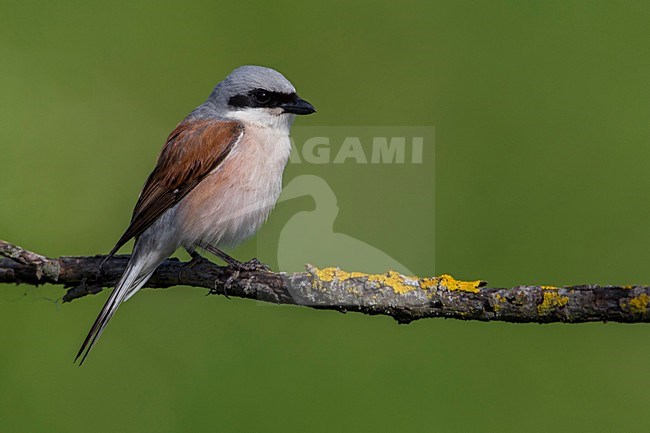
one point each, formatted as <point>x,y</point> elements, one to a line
<point>215,182</point>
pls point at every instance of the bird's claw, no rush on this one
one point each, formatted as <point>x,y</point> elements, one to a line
<point>234,270</point>
<point>234,274</point>
<point>254,265</point>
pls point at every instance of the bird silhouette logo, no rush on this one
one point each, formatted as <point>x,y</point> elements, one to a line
<point>309,236</point>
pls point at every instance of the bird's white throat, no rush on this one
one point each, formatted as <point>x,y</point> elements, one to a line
<point>265,117</point>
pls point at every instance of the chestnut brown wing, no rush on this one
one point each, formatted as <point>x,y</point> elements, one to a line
<point>192,151</point>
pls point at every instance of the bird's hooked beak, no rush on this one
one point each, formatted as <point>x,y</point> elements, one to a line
<point>298,106</point>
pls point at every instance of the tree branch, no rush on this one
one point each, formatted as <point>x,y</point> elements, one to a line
<point>403,298</point>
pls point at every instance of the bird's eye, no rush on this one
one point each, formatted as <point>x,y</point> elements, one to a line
<point>262,96</point>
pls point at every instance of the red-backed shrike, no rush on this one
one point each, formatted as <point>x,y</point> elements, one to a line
<point>216,180</point>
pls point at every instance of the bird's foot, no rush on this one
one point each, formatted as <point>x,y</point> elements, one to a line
<point>234,269</point>
<point>196,259</point>
<point>233,275</point>
<point>254,265</point>
<point>251,265</point>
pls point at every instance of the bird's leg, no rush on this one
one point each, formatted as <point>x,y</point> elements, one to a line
<point>251,265</point>
<point>255,265</point>
<point>234,266</point>
<point>196,259</point>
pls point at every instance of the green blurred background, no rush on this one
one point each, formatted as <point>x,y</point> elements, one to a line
<point>542,117</point>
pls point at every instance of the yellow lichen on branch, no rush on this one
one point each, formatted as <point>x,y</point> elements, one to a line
<point>401,283</point>
<point>639,304</point>
<point>331,274</point>
<point>552,300</point>
<point>452,284</point>
<point>396,281</point>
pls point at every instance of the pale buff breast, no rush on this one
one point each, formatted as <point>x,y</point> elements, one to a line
<point>232,203</point>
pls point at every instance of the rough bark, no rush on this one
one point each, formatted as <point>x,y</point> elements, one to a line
<point>401,297</point>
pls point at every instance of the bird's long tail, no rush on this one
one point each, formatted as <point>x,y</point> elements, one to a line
<point>136,274</point>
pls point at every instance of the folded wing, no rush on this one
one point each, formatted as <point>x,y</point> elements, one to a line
<point>192,151</point>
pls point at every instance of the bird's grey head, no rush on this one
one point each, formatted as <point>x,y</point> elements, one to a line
<point>259,95</point>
